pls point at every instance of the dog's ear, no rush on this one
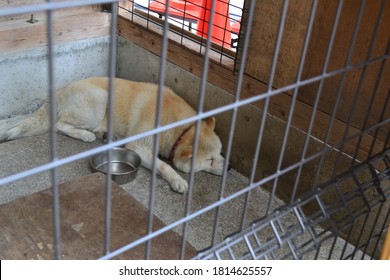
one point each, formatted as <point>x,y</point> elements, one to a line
<point>186,152</point>
<point>210,122</point>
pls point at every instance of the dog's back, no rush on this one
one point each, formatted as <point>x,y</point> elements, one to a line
<point>83,104</point>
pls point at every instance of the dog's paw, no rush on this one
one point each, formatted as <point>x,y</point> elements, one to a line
<point>179,185</point>
<point>87,136</point>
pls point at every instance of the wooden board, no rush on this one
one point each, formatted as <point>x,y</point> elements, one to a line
<point>27,228</point>
<point>262,49</point>
<point>69,25</point>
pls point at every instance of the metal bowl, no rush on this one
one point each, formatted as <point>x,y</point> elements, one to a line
<point>124,164</point>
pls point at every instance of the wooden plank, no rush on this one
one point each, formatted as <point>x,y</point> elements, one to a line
<point>21,3</point>
<point>225,79</point>
<point>261,51</point>
<point>27,230</point>
<point>68,26</point>
<point>265,27</point>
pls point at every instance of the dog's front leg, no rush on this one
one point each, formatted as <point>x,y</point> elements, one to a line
<point>177,183</point>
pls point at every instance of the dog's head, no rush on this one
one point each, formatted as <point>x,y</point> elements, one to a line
<point>208,157</point>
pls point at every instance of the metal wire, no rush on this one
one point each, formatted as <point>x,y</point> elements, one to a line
<point>110,133</point>
<point>156,138</point>
<point>282,237</point>
<point>202,93</point>
<point>271,80</point>
<point>283,243</point>
<point>295,95</point>
<point>360,83</point>
<point>375,89</point>
<point>53,138</point>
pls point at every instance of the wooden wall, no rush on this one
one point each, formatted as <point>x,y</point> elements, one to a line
<point>267,17</point>
<point>69,25</point>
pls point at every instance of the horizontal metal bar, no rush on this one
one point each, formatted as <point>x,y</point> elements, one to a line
<point>50,6</point>
<point>214,205</point>
<point>195,118</point>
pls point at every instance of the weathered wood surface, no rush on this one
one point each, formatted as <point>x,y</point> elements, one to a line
<point>26,225</point>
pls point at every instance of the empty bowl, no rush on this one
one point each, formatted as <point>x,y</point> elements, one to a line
<point>124,164</point>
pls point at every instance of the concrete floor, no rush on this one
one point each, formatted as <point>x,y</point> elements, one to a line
<point>169,206</point>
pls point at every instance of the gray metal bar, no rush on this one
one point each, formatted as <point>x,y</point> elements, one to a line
<point>385,106</point>
<point>317,99</point>
<point>110,109</point>
<point>234,116</point>
<point>335,107</point>
<point>156,138</point>
<point>294,97</point>
<point>273,70</point>
<point>202,93</point>
<point>376,86</point>
<point>53,138</point>
<point>360,84</point>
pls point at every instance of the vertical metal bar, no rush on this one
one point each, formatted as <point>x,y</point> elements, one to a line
<point>317,99</point>
<point>295,95</point>
<point>132,10</point>
<point>202,93</point>
<point>341,86</point>
<point>183,23</point>
<point>156,137</point>
<point>53,137</point>
<point>377,81</point>
<point>273,70</point>
<point>234,115</point>
<point>333,35</point>
<point>381,118</point>
<point>263,120</point>
<point>111,75</point>
<point>148,14</point>
<point>359,88</point>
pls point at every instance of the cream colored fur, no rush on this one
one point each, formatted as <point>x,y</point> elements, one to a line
<point>82,112</point>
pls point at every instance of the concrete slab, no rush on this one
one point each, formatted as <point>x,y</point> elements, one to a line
<point>207,229</point>
<point>24,74</point>
<point>169,206</point>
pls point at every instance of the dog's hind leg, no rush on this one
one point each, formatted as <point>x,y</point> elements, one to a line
<point>78,133</point>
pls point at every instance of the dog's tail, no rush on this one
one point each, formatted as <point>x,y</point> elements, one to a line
<point>28,125</point>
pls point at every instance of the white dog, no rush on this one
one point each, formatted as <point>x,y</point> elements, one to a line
<point>82,112</point>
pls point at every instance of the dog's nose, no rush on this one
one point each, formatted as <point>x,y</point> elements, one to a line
<point>229,167</point>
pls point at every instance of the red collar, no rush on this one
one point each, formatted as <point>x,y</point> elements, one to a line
<point>173,150</point>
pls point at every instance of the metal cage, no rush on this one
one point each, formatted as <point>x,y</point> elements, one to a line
<point>349,212</point>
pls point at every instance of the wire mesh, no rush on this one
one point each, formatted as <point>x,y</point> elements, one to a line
<point>350,208</point>
<point>290,233</point>
<point>189,23</point>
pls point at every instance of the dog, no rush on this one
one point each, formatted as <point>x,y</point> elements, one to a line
<point>82,114</point>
